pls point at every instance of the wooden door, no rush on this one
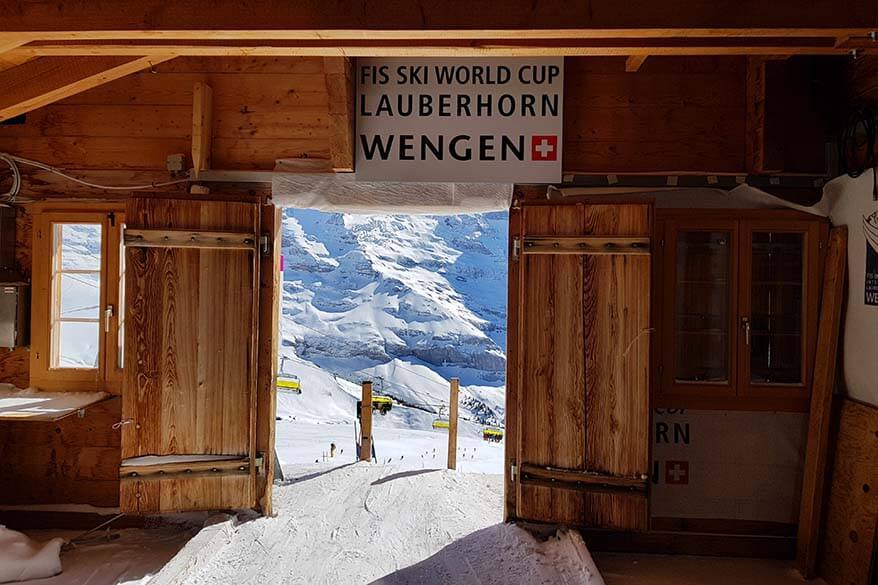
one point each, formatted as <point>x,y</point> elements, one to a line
<point>579,369</point>
<point>189,356</point>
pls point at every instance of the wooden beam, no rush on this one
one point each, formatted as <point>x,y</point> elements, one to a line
<point>561,476</point>
<point>339,74</point>
<point>586,245</point>
<point>634,62</point>
<point>45,81</point>
<point>764,129</point>
<point>453,406</point>
<point>814,476</point>
<point>421,33</point>
<point>141,238</point>
<point>434,49</point>
<point>366,423</point>
<point>266,389</point>
<point>315,15</point>
<point>202,124</point>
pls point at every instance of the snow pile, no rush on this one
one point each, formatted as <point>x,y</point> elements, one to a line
<point>365,523</point>
<point>21,558</point>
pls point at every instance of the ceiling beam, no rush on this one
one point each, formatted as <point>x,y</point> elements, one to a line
<point>41,82</point>
<point>367,15</point>
<point>633,63</point>
<point>434,49</point>
<point>840,35</point>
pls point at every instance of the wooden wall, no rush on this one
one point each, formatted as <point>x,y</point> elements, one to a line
<point>264,109</point>
<point>691,114</point>
<point>849,535</point>
<point>72,461</point>
<point>673,114</point>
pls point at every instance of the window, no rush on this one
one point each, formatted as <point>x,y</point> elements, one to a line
<point>76,294</point>
<point>736,302</point>
<point>77,282</point>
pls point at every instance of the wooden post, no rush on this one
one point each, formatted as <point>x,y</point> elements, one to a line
<point>366,423</point>
<point>202,116</point>
<point>816,454</point>
<point>452,424</point>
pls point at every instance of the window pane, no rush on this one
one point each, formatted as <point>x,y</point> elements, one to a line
<point>80,246</point>
<point>78,344</point>
<point>701,316</point>
<point>776,312</point>
<point>80,295</point>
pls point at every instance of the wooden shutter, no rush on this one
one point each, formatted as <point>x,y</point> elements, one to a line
<point>189,375</point>
<point>579,369</point>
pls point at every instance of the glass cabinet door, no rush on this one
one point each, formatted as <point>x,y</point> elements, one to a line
<point>773,330</point>
<point>701,263</point>
<point>778,308</point>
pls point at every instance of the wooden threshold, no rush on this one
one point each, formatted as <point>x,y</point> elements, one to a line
<point>189,239</point>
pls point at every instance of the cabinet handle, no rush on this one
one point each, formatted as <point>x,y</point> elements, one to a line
<point>745,323</point>
<point>108,314</point>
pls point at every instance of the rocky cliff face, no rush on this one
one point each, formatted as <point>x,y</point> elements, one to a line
<point>360,291</point>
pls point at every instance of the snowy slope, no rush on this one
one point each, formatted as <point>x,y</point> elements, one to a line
<point>376,524</point>
<point>405,301</point>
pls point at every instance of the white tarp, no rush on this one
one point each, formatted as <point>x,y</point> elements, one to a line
<point>341,192</point>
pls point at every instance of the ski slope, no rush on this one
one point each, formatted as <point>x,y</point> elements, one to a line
<point>366,523</point>
<point>325,413</point>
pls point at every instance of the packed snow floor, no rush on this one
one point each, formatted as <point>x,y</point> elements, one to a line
<point>366,523</point>
<point>130,556</point>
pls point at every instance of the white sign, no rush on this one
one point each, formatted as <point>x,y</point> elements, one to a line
<point>460,120</point>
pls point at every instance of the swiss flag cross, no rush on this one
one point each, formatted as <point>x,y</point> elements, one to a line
<point>544,148</point>
<point>677,472</point>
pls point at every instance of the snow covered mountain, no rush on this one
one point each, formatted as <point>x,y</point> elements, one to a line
<point>406,301</point>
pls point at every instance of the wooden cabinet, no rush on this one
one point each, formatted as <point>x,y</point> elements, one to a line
<point>736,294</point>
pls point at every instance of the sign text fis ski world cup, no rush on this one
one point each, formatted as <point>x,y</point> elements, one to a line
<point>459,120</point>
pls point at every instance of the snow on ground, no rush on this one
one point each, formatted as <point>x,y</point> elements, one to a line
<point>325,413</point>
<point>364,523</point>
<point>132,557</point>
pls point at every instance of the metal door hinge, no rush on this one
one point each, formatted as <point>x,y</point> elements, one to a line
<point>259,463</point>
<point>513,470</point>
<point>516,248</point>
<point>264,245</point>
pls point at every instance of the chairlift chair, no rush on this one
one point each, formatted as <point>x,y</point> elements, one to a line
<point>289,382</point>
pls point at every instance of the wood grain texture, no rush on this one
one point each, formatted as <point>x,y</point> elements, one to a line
<point>71,461</point>
<point>816,454</point>
<point>848,542</point>
<point>189,371</point>
<point>266,389</point>
<point>264,109</point>
<point>40,82</point>
<point>514,371</point>
<point>583,402</point>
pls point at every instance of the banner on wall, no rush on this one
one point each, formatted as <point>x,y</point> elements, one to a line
<point>460,120</point>
<point>870,231</point>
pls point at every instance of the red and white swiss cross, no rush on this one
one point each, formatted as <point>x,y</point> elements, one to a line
<point>544,148</point>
